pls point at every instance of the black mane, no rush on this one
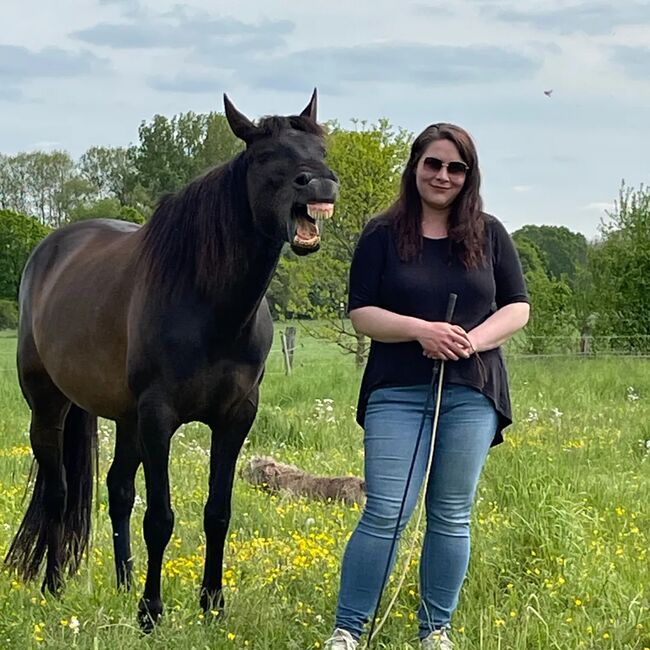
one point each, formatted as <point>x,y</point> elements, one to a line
<point>194,236</point>
<point>273,125</point>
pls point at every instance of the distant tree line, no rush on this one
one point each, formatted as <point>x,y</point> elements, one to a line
<point>578,288</point>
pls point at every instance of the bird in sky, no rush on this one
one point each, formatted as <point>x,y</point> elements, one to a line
<point>548,92</point>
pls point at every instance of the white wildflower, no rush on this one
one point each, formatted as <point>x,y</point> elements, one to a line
<point>74,624</point>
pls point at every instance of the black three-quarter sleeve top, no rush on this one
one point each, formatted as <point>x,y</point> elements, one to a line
<point>421,288</point>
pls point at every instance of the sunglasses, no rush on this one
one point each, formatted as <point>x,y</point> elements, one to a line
<point>454,168</point>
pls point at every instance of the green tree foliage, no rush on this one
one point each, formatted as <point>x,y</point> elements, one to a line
<point>31,183</point>
<point>564,252</point>
<point>620,267</point>
<point>175,150</point>
<point>18,236</point>
<point>531,256</point>
<point>108,208</point>
<point>127,213</point>
<point>8,315</point>
<point>112,171</point>
<point>552,318</point>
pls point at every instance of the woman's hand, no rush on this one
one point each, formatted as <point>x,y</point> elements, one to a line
<point>441,340</point>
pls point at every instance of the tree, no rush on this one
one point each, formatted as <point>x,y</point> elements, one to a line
<point>111,170</point>
<point>19,234</point>
<point>48,172</point>
<point>108,208</point>
<point>552,318</point>
<point>563,252</point>
<point>620,267</point>
<point>174,151</point>
<point>13,183</point>
<point>75,193</point>
<point>32,183</point>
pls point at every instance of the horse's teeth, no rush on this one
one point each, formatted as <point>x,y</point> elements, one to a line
<point>319,213</point>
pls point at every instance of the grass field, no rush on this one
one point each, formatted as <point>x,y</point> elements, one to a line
<point>560,530</point>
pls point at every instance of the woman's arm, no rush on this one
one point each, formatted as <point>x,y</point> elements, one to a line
<point>499,327</point>
<point>441,340</point>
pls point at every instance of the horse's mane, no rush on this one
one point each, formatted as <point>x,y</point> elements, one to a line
<point>194,236</point>
<point>273,125</point>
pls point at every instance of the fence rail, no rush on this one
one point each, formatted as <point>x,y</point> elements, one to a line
<point>290,349</point>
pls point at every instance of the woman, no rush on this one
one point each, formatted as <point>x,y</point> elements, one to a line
<point>433,241</point>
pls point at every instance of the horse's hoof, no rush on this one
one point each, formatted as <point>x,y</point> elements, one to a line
<point>124,576</point>
<point>52,585</point>
<point>212,604</point>
<point>149,614</point>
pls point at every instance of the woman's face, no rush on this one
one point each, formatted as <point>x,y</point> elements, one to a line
<point>438,185</point>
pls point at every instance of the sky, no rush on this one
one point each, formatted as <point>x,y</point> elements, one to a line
<point>80,73</point>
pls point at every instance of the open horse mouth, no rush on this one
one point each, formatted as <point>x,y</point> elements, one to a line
<point>306,238</point>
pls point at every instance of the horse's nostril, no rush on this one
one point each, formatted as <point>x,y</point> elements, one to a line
<point>303,178</point>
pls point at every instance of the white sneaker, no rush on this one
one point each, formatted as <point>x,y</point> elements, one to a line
<point>341,640</point>
<point>437,640</point>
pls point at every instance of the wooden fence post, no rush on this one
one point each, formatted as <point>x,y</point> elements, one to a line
<point>288,346</point>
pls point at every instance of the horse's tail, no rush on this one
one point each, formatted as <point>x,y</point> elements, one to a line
<point>29,546</point>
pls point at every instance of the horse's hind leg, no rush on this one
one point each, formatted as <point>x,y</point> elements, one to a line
<point>121,495</point>
<point>42,527</point>
<point>227,440</point>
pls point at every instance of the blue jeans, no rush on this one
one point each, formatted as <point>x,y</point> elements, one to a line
<point>467,425</point>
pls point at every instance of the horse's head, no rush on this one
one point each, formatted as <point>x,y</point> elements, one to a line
<point>290,187</point>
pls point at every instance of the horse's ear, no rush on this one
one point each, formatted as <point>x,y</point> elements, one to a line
<point>310,110</point>
<point>241,126</point>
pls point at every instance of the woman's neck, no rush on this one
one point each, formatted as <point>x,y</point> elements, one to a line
<point>435,223</point>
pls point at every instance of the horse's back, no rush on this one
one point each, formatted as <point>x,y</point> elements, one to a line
<point>74,298</point>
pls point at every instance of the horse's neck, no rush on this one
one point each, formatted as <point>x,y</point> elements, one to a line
<point>245,291</point>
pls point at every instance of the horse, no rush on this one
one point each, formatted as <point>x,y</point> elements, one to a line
<point>154,327</point>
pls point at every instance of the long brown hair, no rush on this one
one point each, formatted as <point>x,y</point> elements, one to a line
<point>466,221</point>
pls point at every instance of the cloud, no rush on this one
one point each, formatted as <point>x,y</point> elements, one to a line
<point>190,84</point>
<point>634,60</point>
<point>389,63</point>
<point>564,159</point>
<point>588,17</point>
<point>437,10</point>
<point>18,63</point>
<point>48,145</point>
<point>180,29</point>
<point>9,93</point>
<point>598,206</point>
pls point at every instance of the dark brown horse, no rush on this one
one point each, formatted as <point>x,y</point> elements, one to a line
<point>153,327</point>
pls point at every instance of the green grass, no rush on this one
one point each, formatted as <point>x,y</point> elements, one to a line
<point>560,528</point>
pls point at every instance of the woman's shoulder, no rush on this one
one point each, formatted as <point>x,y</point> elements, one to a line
<point>379,226</point>
<point>494,226</point>
<point>381,221</point>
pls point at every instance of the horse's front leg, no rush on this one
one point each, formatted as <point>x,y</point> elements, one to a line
<point>156,424</point>
<point>227,439</point>
<point>121,495</point>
